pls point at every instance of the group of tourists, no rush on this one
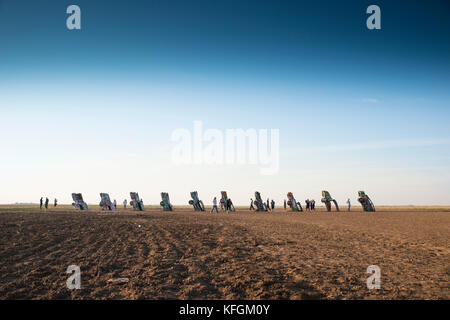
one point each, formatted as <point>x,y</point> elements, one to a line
<point>225,205</point>
<point>310,205</point>
<point>44,204</point>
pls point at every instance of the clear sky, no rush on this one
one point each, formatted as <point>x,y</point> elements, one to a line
<point>93,110</point>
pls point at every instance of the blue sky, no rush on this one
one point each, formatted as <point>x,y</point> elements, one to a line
<point>92,110</point>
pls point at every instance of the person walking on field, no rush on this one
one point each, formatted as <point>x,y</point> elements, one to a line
<point>46,203</point>
<point>125,203</point>
<point>307,204</point>
<point>41,203</point>
<point>251,205</point>
<point>214,206</point>
<point>284,204</point>
<point>272,203</point>
<point>56,202</point>
<point>348,202</point>
<point>313,205</point>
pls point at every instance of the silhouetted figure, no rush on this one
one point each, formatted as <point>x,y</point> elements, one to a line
<point>272,203</point>
<point>56,202</point>
<point>284,204</point>
<point>228,205</point>
<point>41,203</point>
<point>46,203</point>
<point>251,205</point>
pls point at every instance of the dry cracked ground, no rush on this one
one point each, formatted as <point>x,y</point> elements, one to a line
<point>242,255</point>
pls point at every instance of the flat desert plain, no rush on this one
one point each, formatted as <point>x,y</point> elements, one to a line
<point>241,255</point>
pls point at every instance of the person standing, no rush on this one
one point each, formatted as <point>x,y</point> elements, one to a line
<point>313,205</point>
<point>56,202</point>
<point>115,204</point>
<point>214,206</point>
<point>228,205</point>
<point>307,204</point>
<point>284,204</point>
<point>41,203</point>
<point>46,203</point>
<point>251,205</point>
<point>125,203</point>
<point>348,202</point>
<point>272,203</point>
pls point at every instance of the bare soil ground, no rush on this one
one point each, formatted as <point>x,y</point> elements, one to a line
<point>242,255</point>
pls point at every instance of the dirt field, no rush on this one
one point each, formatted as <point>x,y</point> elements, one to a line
<point>242,255</point>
